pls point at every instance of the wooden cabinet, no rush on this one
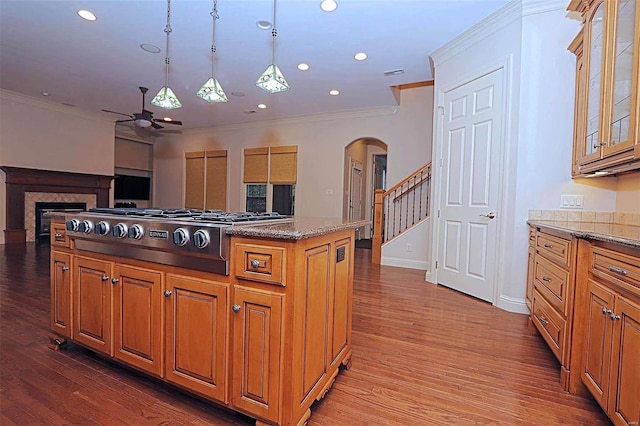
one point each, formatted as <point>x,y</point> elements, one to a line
<point>530,266</point>
<point>61,293</point>
<point>257,338</point>
<point>607,95</point>
<point>610,326</point>
<point>197,334</point>
<point>550,286</point>
<point>118,311</point>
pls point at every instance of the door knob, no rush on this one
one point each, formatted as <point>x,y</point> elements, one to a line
<point>236,308</point>
<point>114,280</point>
<point>167,293</point>
<point>490,215</point>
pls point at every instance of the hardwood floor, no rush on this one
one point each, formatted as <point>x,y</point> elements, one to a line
<point>422,355</point>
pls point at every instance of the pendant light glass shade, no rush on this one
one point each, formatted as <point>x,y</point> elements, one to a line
<point>272,80</point>
<point>165,97</point>
<point>211,90</point>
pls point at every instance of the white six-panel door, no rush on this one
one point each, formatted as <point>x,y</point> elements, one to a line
<point>469,196</point>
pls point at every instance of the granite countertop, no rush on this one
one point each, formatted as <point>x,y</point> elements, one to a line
<point>298,229</point>
<point>628,235</point>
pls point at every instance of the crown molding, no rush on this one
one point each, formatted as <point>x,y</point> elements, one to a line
<point>35,102</point>
<point>502,17</point>
<point>533,7</point>
<point>342,115</point>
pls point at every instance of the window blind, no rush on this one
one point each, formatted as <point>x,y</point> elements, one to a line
<point>194,182</point>
<point>284,164</point>
<point>216,180</point>
<point>256,161</point>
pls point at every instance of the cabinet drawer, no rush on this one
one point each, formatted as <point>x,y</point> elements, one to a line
<point>551,325</point>
<point>554,248</point>
<point>260,263</point>
<point>532,236</point>
<point>552,282</point>
<point>59,234</point>
<point>615,266</point>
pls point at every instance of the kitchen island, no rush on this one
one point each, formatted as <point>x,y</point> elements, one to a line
<point>267,338</point>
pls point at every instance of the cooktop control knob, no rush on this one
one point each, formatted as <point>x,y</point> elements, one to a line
<point>102,228</point>
<point>201,238</point>
<point>73,225</point>
<point>180,237</point>
<point>119,230</point>
<point>136,232</point>
<point>85,226</point>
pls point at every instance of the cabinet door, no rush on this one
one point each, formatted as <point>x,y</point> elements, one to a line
<point>256,352</point>
<point>92,304</point>
<point>622,85</point>
<point>530,275</point>
<point>340,301</point>
<point>137,314</point>
<point>61,293</point>
<point>197,330</point>
<point>598,341</point>
<point>624,399</point>
<point>590,146</point>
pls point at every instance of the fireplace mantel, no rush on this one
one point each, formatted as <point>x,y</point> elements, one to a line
<point>19,180</point>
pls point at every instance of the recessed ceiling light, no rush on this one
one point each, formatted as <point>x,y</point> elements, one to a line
<point>264,25</point>
<point>262,106</point>
<point>360,56</point>
<point>151,48</point>
<point>85,14</point>
<point>43,93</point>
<point>334,92</point>
<point>328,5</point>
<point>237,93</point>
<point>303,66</point>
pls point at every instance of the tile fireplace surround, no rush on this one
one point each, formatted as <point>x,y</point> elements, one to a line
<point>25,186</point>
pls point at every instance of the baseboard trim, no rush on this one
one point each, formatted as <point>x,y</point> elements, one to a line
<point>512,304</point>
<point>404,263</point>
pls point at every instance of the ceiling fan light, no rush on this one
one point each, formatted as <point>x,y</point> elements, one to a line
<point>211,91</point>
<point>141,122</point>
<point>272,80</point>
<point>166,99</point>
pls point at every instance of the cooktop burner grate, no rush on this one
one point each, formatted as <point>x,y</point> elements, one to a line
<point>215,216</point>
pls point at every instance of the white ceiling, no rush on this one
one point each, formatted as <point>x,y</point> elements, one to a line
<point>46,46</point>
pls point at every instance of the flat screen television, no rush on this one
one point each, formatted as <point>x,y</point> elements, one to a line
<point>128,187</point>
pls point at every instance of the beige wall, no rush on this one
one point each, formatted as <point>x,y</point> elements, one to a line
<point>47,136</point>
<point>321,140</point>
<point>628,193</point>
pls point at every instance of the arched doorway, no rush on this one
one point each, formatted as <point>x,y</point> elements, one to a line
<point>365,168</point>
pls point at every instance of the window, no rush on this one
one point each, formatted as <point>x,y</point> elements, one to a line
<point>270,176</point>
<point>206,180</point>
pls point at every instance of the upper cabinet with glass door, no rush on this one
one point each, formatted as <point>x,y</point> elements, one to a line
<point>606,131</point>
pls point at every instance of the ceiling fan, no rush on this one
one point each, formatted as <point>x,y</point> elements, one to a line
<point>145,118</point>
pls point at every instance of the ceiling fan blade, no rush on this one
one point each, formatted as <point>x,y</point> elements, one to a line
<point>123,121</point>
<point>114,112</point>
<point>156,126</point>
<point>176,122</point>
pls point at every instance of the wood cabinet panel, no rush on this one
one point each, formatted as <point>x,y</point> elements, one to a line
<point>261,263</point>
<point>552,281</point>
<point>92,303</point>
<point>624,396</point>
<point>340,301</point>
<point>257,336</point>
<point>61,293</point>
<point>551,325</point>
<point>58,234</point>
<point>197,332</point>
<point>598,342</point>
<point>138,317</point>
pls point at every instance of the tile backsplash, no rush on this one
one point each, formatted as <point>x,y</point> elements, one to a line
<point>623,218</point>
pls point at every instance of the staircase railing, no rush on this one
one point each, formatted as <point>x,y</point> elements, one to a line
<point>399,208</point>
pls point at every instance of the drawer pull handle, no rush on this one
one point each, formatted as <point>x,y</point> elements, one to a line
<point>115,280</point>
<point>255,263</point>
<point>546,279</point>
<point>65,268</point>
<point>236,308</point>
<point>104,278</point>
<point>543,320</point>
<point>58,235</point>
<point>620,271</point>
<point>167,293</point>
<point>606,311</point>
<point>548,245</point>
<point>614,317</point>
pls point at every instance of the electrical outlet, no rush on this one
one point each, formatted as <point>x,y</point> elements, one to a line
<point>409,248</point>
<point>571,201</point>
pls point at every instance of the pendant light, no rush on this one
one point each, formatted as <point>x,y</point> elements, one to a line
<point>165,97</point>
<point>211,91</point>
<point>272,79</point>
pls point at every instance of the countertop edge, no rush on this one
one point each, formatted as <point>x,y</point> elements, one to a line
<point>300,229</point>
<point>573,229</point>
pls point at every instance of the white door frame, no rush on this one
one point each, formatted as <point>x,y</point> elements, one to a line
<point>504,174</point>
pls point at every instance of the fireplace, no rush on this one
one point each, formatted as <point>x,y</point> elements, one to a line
<point>43,223</point>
